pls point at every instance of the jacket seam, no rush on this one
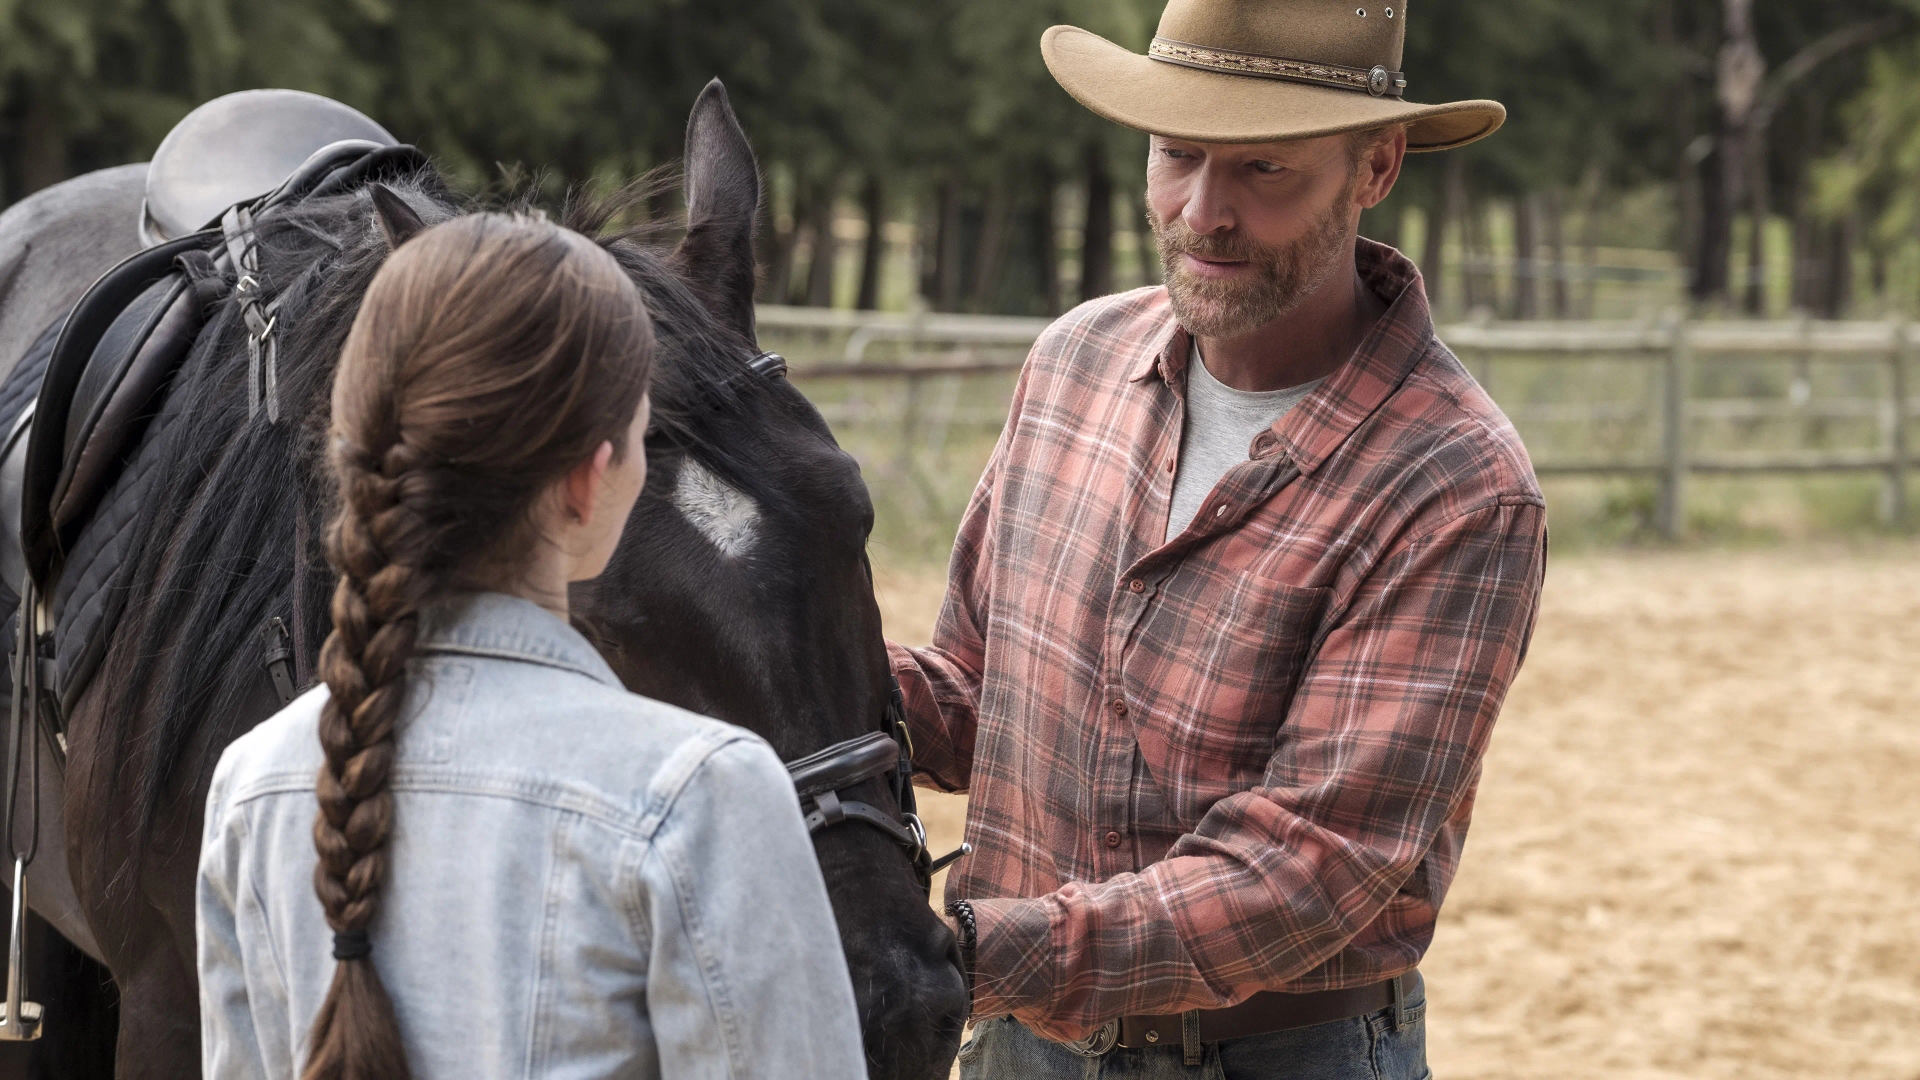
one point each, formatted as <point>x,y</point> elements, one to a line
<point>538,1027</point>
<point>245,826</point>
<point>559,663</point>
<point>536,793</point>
<point>718,993</point>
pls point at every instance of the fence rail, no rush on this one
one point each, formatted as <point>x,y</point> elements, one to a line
<point>946,347</point>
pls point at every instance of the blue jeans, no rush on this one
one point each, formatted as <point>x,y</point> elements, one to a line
<point>1360,1048</point>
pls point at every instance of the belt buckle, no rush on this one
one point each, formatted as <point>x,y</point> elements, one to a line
<point>1098,1044</point>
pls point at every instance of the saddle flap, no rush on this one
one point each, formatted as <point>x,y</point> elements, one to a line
<point>13,471</point>
<point>121,381</point>
<point>90,321</point>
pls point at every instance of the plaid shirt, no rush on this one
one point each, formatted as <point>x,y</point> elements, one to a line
<point>1244,759</point>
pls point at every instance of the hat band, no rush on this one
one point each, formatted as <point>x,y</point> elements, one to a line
<point>1378,81</point>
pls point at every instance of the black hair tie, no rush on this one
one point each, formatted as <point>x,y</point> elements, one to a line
<point>352,945</point>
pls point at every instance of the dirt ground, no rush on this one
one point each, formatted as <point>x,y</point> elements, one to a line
<point>1697,846</point>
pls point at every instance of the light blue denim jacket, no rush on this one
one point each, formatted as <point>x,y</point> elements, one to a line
<point>582,883</point>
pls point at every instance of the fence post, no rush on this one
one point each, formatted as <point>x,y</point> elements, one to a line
<point>1671,511</point>
<point>1896,500</point>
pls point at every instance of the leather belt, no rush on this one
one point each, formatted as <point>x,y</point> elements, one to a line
<point>1260,1014</point>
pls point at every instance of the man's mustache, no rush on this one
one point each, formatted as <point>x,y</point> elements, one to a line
<point>1231,246</point>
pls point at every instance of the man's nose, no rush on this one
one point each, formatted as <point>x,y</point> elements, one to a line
<point>1208,210</point>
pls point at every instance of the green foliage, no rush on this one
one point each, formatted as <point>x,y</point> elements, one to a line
<point>1605,97</point>
<point>1876,171</point>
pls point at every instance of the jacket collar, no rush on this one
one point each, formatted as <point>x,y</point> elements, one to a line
<point>509,628</point>
<point>1317,426</point>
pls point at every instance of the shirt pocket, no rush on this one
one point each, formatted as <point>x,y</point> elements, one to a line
<point>1209,676</point>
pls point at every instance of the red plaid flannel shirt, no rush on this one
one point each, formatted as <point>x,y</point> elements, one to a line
<point>1245,759</point>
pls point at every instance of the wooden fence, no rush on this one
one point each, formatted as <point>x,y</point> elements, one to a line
<point>945,346</point>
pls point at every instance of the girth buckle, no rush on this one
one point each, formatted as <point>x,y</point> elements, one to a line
<point>21,1020</point>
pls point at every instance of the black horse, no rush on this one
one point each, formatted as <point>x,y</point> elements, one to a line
<point>740,588</point>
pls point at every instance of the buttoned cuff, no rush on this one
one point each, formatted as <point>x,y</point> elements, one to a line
<point>1013,953</point>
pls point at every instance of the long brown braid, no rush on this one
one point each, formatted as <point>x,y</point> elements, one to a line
<point>492,355</point>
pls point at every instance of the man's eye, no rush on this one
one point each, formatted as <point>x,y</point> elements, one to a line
<point>1265,167</point>
<point>1177,155</point>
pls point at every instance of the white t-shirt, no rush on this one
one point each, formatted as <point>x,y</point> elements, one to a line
<point>1221,425</point>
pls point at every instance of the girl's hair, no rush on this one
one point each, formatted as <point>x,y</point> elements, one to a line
<point>491,355</point>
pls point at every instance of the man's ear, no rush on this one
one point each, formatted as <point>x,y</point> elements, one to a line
<point>398,221</point>
<point>1380,167</point>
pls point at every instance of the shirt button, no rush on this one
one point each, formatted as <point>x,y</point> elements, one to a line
<point>1119,708</point>
<point>1137,585</point>
<point>1219,511</point>
<point>1113,839</point>
<point>1171,462</point>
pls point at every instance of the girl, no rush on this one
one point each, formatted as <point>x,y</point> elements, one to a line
<point>523,869</point>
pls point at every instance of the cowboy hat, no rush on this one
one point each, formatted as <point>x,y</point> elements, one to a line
<point>1256,71</point>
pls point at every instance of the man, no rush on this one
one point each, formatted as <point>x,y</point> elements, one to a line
<point>1236,603</point>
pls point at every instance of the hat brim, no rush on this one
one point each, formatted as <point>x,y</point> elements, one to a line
<point>1207,106</point>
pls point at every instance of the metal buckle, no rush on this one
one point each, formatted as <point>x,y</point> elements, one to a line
<point>1100,1043</point>
<point>20,1021</point>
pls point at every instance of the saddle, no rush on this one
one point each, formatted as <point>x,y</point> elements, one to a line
<point>98,375</point>
<point>236,147</point>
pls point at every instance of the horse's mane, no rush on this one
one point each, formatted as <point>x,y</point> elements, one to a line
<point>213,552</point>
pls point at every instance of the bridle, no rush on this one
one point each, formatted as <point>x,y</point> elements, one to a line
<point>821,776</point>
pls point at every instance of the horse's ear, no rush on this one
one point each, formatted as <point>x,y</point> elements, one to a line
<point>398,221</point>
<point>723,201</point>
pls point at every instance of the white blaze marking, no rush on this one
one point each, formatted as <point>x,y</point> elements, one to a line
<point>723,514</point>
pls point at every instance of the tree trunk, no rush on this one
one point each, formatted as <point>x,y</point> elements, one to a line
<point>1839,270</point>
<point>1760,209</point>
<point>777,286</point>
<point>1382,224</point>
<point>1459,211</point>
<point>1739,73</point>
<point>873,255</point>
<point>1686,166</point>
<point>1526,262</point>
<point>1803,261</point>
<point>767,248</point>
<point>1049,239</point>
<point>1718,198</point>
<point>1479,287</point>
<point>1806,259</point>
<point>1096,240</point>
<point>826,247</point>
<point>43,145</point>
<point>987,254</point>
<point>1553,220</point>
<point>1434,248</point>
<point>1593,192</point>
<point>948,261</point>
<point>1151,272</point>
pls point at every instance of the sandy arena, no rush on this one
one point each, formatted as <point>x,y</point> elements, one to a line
<point>1697,847</point>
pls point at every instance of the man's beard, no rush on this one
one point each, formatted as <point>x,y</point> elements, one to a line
<point>1282,278</point>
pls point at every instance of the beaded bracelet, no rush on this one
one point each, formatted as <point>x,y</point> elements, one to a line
<point>962,913</point>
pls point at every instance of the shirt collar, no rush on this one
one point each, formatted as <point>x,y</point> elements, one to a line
<point>1317,426</point>
<point>509,628</point>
